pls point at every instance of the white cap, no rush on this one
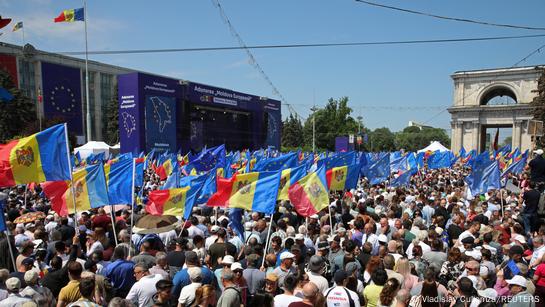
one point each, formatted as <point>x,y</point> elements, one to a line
<point>539,151</point>
<point>299,236</point>
<point>340,229</point>
<point>382,238</point>
<point>517,280</point>
<point>236,266</point>
<point>221,218</point>
<point>214,229</point>
<point>286,255</point>
<point>315,216</point>
<point>488,293</point>
<point>228,260</point>
<point>520,238</point>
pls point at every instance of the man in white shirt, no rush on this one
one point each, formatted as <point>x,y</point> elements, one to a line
<point>193,230</point>
<point>316,267</point>
<point>370,236</point>
<point>286,298</point>
<point>539,251</point>
<point>473,229</point>
<point>212,239</point>
<point>143,290</point>
<point>340,296</point>
<point>187,295</point>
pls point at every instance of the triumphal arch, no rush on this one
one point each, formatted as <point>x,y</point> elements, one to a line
<point>493,98</point>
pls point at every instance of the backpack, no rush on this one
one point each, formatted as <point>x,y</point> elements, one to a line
<point>350,300</point>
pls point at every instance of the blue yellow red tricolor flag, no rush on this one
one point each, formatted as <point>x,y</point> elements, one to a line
<point>310,195</point>
<point>343,177</point>
<point>89,188</point>
<point>290,176</point>
<point>71,15</point>
<point>256,191</point>
<point>37,158</point>
<point>177,202</point>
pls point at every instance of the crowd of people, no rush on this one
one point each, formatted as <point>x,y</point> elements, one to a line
<point>428,244</point>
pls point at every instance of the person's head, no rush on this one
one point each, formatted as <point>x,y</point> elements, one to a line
<point>515,253</point>
<point>87,287</point>
<point>472,268</point>
<point>31,278</point>
<point>379,277</point>
<point>290,282</point>
<point>465,287</point>
<point>205,296</point>
<point>403,266</point>
<point>161,259</point>
<point>145,247</point>
<point>429,293</point>
<point>454,255</point>
<point>4,274</point>
<point>403,296</point>
<point>389,262</point>
<point>517,284</point>
<point>271,283</point>
<point>140,270</point>
<point>286,259</point>
<point>310,291</point>
<point>227,277</point>
<point>13,285</point>
<point>474,227</point>
<point>164,289</point>
<point>119,252</point>
<point>417,251</point>
<point>194,274</point>
<point>276,243</point>
<point>26,265</point>
<point>74,270</point>
<point>192,259</point>
<point>56,263</point>
<point>389,292</point>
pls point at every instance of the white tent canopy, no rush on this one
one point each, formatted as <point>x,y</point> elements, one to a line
<point>93,147</point>
<point>434,146</point>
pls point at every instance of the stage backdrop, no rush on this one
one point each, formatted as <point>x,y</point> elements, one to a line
<point>160,123</point>
<point>62,95</point>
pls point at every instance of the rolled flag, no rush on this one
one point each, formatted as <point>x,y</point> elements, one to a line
<point>71,15</point>
<point>17,26</point>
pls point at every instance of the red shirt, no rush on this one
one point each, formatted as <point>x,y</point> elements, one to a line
<point>540,272</point>
<point>101,221</point>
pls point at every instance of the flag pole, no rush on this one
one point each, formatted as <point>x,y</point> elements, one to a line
<point>267,242</point>
<point>23,28</point>
<point>88,106</point>
<point>7,232</point>
<point>26,189</point>
<point>132,202</point>
<point>112,213</point>
<point>71,176</point>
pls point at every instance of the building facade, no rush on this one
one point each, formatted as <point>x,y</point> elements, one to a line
<point>493,98</point>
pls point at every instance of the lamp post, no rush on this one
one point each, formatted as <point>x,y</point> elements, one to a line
<point>314,109</point>
<point>359,134</point>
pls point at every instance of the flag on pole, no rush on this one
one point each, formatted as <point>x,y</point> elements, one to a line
<point>310,195</point>
<point>255,191</point>
<point>36,158</point>
<point>495,143</point>
<point>343,177</point>
<point>177,202</point>
<point>89,187</point>
<point>484,177</point>
<point>17,26</point>
<point>119,180</point>
<point>290,176</point>
<point>71,15</point>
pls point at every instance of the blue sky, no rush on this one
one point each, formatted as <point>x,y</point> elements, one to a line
<point>385,76</point>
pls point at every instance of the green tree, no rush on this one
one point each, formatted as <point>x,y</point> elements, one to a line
<point>112,127</point>
<point>507,141</point>
<point>382,139</point>
<point>16,114</point>
<point>331,121</point>
<point>292,132</point>
<point>539,103</point>
<point>414,138</point>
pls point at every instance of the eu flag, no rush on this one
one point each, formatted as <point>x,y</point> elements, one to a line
<point>484,177</point>
<point>379,170</point>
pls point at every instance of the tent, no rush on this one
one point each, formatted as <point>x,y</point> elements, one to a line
<point>93,147</point>
<point>434,146</point>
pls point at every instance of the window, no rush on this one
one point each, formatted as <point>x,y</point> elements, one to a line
<point>27,81</point>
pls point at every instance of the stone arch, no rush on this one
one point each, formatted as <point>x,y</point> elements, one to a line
<point>498,89</point>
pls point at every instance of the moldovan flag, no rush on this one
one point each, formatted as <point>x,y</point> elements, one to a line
<point>71,15</point>
<point>36,158</point>
<point>176,202</point>
<point>343,177</point>
<point>256,191</point>
<point>290,176</point>
<point>164,170</point>
<point>310,195</point>
<point>89,186</point>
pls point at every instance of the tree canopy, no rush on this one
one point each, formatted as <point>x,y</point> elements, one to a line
<point>17,114</point>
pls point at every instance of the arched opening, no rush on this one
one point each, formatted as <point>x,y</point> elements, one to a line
<point>498,96</point>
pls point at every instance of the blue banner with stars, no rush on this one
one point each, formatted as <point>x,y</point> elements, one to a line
<point>160,123</point>
<point>62,95</point>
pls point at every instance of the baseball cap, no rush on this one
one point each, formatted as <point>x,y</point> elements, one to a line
<point>286,255</point>
<point>315,216</point>
<point>28,261</point>
<point>382,238</point>
<point>31,277</point>
<point>538,151</point>
<point>13,283</point>
<point>323,245</point>
<point>340,229</point>
<point>214,229</point>
<point>468,240</point>
<point>340,276</point>
<point>299,236</point>
<point>236,266</point>
<point>517,280</point>
<point>488,293</point>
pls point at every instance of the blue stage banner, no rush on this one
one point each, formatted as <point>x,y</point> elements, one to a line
<point>274,124</point>
<point>61,87</point>
<point>130,114</point>
<point>160,123</point>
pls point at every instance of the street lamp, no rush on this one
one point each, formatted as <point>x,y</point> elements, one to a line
<point>314,109</point>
